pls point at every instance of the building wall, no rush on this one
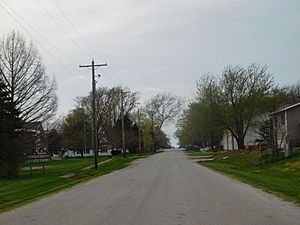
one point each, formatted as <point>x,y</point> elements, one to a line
<point>252,134</point>
<point>227,142</point>
<point>280,129</point>
<point>293,118</point>
<point>250,140</point>
<point>287,126</point>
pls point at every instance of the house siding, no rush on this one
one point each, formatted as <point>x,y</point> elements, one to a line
<point>250,140</point>
<point>293,123</point>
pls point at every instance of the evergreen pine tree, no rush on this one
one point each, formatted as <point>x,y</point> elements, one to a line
<point>10,126</point>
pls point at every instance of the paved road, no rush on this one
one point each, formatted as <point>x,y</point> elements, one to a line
<point>165,189</point>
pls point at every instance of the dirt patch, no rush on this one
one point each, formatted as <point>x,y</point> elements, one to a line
<point>67,175</point>
<point>76,176</point>
<point>72,175</point>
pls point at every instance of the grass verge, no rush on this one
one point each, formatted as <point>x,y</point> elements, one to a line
<point>279,176</point>
<point>26,188</point>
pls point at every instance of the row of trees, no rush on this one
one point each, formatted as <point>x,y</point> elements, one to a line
<point>230,102</point>
<point>26,95</point>
<point>74,132</point>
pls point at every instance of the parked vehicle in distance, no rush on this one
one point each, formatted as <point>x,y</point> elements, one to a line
<point>190,147</point>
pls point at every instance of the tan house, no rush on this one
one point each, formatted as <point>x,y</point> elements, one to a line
<point>286,125</point>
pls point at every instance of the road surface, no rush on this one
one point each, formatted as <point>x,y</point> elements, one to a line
<point>165,189</point>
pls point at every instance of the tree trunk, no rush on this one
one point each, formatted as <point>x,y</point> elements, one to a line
<point>154,140</point>
<point>240,139</point>
<point>241,142</point>
<point>9,158</point>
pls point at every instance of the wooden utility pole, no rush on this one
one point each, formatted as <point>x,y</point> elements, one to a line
<point>139,126</point>
<point>95,147</point>
<point>123,126</point>
<point>84,133</point>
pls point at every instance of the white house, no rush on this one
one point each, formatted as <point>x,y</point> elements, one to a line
<point>230,143</point>
<point>77,154</point>
<point>252,137</point>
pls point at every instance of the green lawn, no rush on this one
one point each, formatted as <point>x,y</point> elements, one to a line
<point>279,176</point>
<point>16,192</point>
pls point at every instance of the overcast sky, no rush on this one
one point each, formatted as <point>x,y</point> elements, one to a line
<point>155,46</point>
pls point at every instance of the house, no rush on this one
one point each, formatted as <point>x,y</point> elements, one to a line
<point>89,153</point>
<point>34,138</point>
<point>252,137</point>
<point>286,127</point>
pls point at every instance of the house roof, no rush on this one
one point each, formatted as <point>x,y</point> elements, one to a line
<point>286,108</point>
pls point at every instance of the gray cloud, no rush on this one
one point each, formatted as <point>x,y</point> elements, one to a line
<point>154,46</point>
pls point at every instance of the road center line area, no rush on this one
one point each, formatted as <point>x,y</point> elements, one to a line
<point>166,189</point>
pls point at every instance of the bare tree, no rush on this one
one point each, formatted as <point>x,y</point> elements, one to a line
<point>161,109</point>
<point>23,73</point>
<point>28,89</point>
<point>293,92</point>
<point>108,110</point>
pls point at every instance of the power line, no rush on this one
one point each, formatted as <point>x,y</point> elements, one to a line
<point>40,35</point>
<point>109,77</point>
<point>38,42</point>
<point>63,30</point>
<point>21,18</point>
<point>111,70</point>
<point>82,38</point>
<point>74,28</point>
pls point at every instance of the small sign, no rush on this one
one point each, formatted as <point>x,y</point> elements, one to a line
<point>38,158</point>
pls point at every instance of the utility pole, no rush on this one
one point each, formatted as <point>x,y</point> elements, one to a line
<point>95,147</point>
<point>123,127</point>
<point>84,133</point>
<point>139,125</point>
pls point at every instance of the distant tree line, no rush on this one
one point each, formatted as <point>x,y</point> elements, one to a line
<point>74,131</point>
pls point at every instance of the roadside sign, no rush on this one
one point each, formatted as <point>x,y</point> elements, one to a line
<point>37,158</point>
